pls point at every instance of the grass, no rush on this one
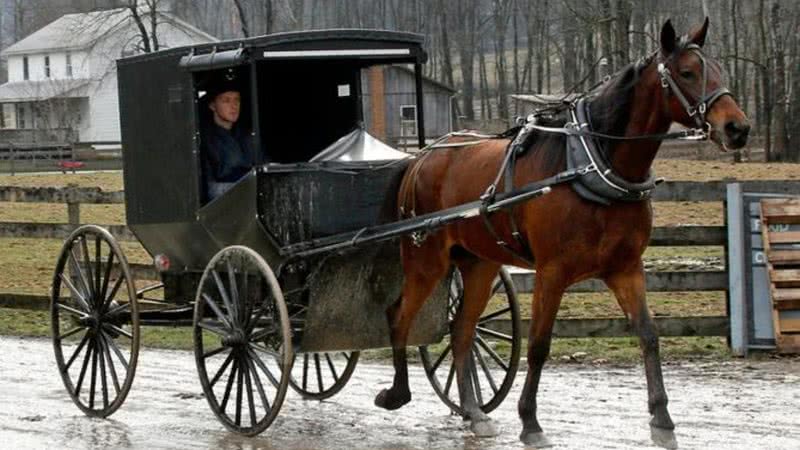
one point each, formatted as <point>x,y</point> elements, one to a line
<point>564,350</point>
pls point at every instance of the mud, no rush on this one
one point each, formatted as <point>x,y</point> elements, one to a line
<point>732,405</point>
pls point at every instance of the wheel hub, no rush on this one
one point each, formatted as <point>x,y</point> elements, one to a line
<point>91,321</point>
<point>235,338</point>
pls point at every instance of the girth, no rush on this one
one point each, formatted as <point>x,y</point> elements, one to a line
<point>517,146</point>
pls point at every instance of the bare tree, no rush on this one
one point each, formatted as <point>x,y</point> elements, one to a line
<point>501,12</point>
<point>465,26</point>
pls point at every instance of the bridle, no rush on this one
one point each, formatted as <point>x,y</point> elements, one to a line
<point>697,111</point>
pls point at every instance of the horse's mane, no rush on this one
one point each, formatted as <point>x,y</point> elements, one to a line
<point>610,106</point>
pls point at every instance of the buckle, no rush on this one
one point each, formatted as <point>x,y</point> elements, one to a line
<point>586,169</point>
<point>702,108</point>
<point>489,194</point>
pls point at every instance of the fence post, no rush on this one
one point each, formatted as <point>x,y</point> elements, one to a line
<point>13,156</point>
<point>74,214</point>
<point>73,207</point>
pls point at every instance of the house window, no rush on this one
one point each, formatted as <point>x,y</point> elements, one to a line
<point>69,65</point>
<point>25,72</point>
<point>408,120</point>
<point>47,66</point>
<point>20,115</point>
<point>9,116</point>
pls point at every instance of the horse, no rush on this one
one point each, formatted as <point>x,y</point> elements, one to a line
<point>569,237</point>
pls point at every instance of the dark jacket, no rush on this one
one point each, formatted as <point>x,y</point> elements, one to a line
<point>227,154</point>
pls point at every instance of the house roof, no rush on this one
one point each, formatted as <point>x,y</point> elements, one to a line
<point>428,80</point>
<point>26,91</point>
<point>80,30</point>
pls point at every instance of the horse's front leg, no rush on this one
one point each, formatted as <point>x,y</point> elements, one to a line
<point>629,288</point>
<point>478,277</point>
<point>550,287</point>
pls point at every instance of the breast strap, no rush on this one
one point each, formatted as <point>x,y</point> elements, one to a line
<point>599,183</point>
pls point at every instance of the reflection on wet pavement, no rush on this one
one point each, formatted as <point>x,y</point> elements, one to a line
<point>734,405</point>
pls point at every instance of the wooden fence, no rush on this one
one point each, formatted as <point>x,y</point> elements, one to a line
<point>657,281</point>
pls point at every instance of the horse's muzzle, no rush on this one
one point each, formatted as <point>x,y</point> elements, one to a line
<point>736,134</point>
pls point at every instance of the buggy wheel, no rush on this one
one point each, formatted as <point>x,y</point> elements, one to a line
<point>242,340</point>
<point>317,376</point>
<point>95,325</point>
<point>494,357</point>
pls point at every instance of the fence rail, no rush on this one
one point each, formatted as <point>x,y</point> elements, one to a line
<point>657,281</point>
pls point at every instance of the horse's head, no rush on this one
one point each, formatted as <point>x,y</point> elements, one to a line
<point>695,94</point>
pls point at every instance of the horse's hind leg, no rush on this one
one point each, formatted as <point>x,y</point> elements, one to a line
<point>422,274</point>
<point>478,277</point>
<point>550,287</point>
<point>629,288</point>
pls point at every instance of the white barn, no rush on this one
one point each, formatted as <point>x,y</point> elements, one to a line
<point>62,80</point>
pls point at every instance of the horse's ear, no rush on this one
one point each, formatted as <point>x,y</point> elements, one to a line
<point>668,38</point>
<point>699,36</point>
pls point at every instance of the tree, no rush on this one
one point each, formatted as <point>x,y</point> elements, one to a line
<point>501,12</point>
<point>465,27</point>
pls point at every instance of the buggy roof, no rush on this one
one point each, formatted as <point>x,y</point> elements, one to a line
<point>367,46</point>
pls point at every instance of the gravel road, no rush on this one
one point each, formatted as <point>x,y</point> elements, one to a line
<point>730,405</point>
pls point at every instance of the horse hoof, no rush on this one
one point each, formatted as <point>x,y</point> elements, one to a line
<point>663,438</point>
<point>386,400</point>
<point>483,428</point>
<point>662,420</point>
<point>535,440</point>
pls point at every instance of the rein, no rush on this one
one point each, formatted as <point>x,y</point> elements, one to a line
<point>590,177</point>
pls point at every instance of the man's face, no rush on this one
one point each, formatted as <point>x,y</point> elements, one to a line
<point>226,107</point>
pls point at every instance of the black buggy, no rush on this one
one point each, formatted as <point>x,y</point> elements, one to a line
<point>285,276</point>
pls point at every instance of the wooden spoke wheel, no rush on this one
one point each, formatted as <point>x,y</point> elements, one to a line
<point>318,376</point>
<point>494,357</point>
<point>95,320</point>
<point>242,340</point>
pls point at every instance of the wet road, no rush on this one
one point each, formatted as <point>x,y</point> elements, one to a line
<point>736,405</point>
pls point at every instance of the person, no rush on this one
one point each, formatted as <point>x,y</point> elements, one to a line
<point>226,145</point>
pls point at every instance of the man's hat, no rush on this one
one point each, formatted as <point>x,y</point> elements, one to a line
<point>223,83</point>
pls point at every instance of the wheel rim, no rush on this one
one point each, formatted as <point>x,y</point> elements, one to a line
<point>242,340</point>
<point>495,352</point>
<point>95,329</point>
<point>319,376</point>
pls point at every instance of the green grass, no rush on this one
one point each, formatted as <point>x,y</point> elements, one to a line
<point>20,322</point>
<point>564,350</point>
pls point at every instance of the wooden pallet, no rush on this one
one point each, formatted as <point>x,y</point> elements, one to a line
<point>782,248</point>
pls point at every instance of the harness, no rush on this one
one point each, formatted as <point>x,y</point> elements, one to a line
<point>704,102</point>
<point>588,170</point>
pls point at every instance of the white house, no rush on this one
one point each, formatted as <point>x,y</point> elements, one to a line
<point>62,80</point>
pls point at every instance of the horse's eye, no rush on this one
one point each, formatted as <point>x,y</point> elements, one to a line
<point>687,74</point>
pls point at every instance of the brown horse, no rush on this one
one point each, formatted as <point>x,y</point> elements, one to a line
<point>571,239</point>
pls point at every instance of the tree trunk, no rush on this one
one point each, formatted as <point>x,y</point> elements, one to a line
<point>543,50</point>
<point>483,89</point>
<point>623,23</point>
<point>137,19</point>
<point>500,15</point>
<point>568,56</point>
<point>242,18</point>
<point>447,64</point>
<point>639,37</point>
<point>767,99</point>
<point>606,35</point>
<point>466,30</point>
<point>781,143</point>
<point>794,116</point>
<point>514,14</point>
